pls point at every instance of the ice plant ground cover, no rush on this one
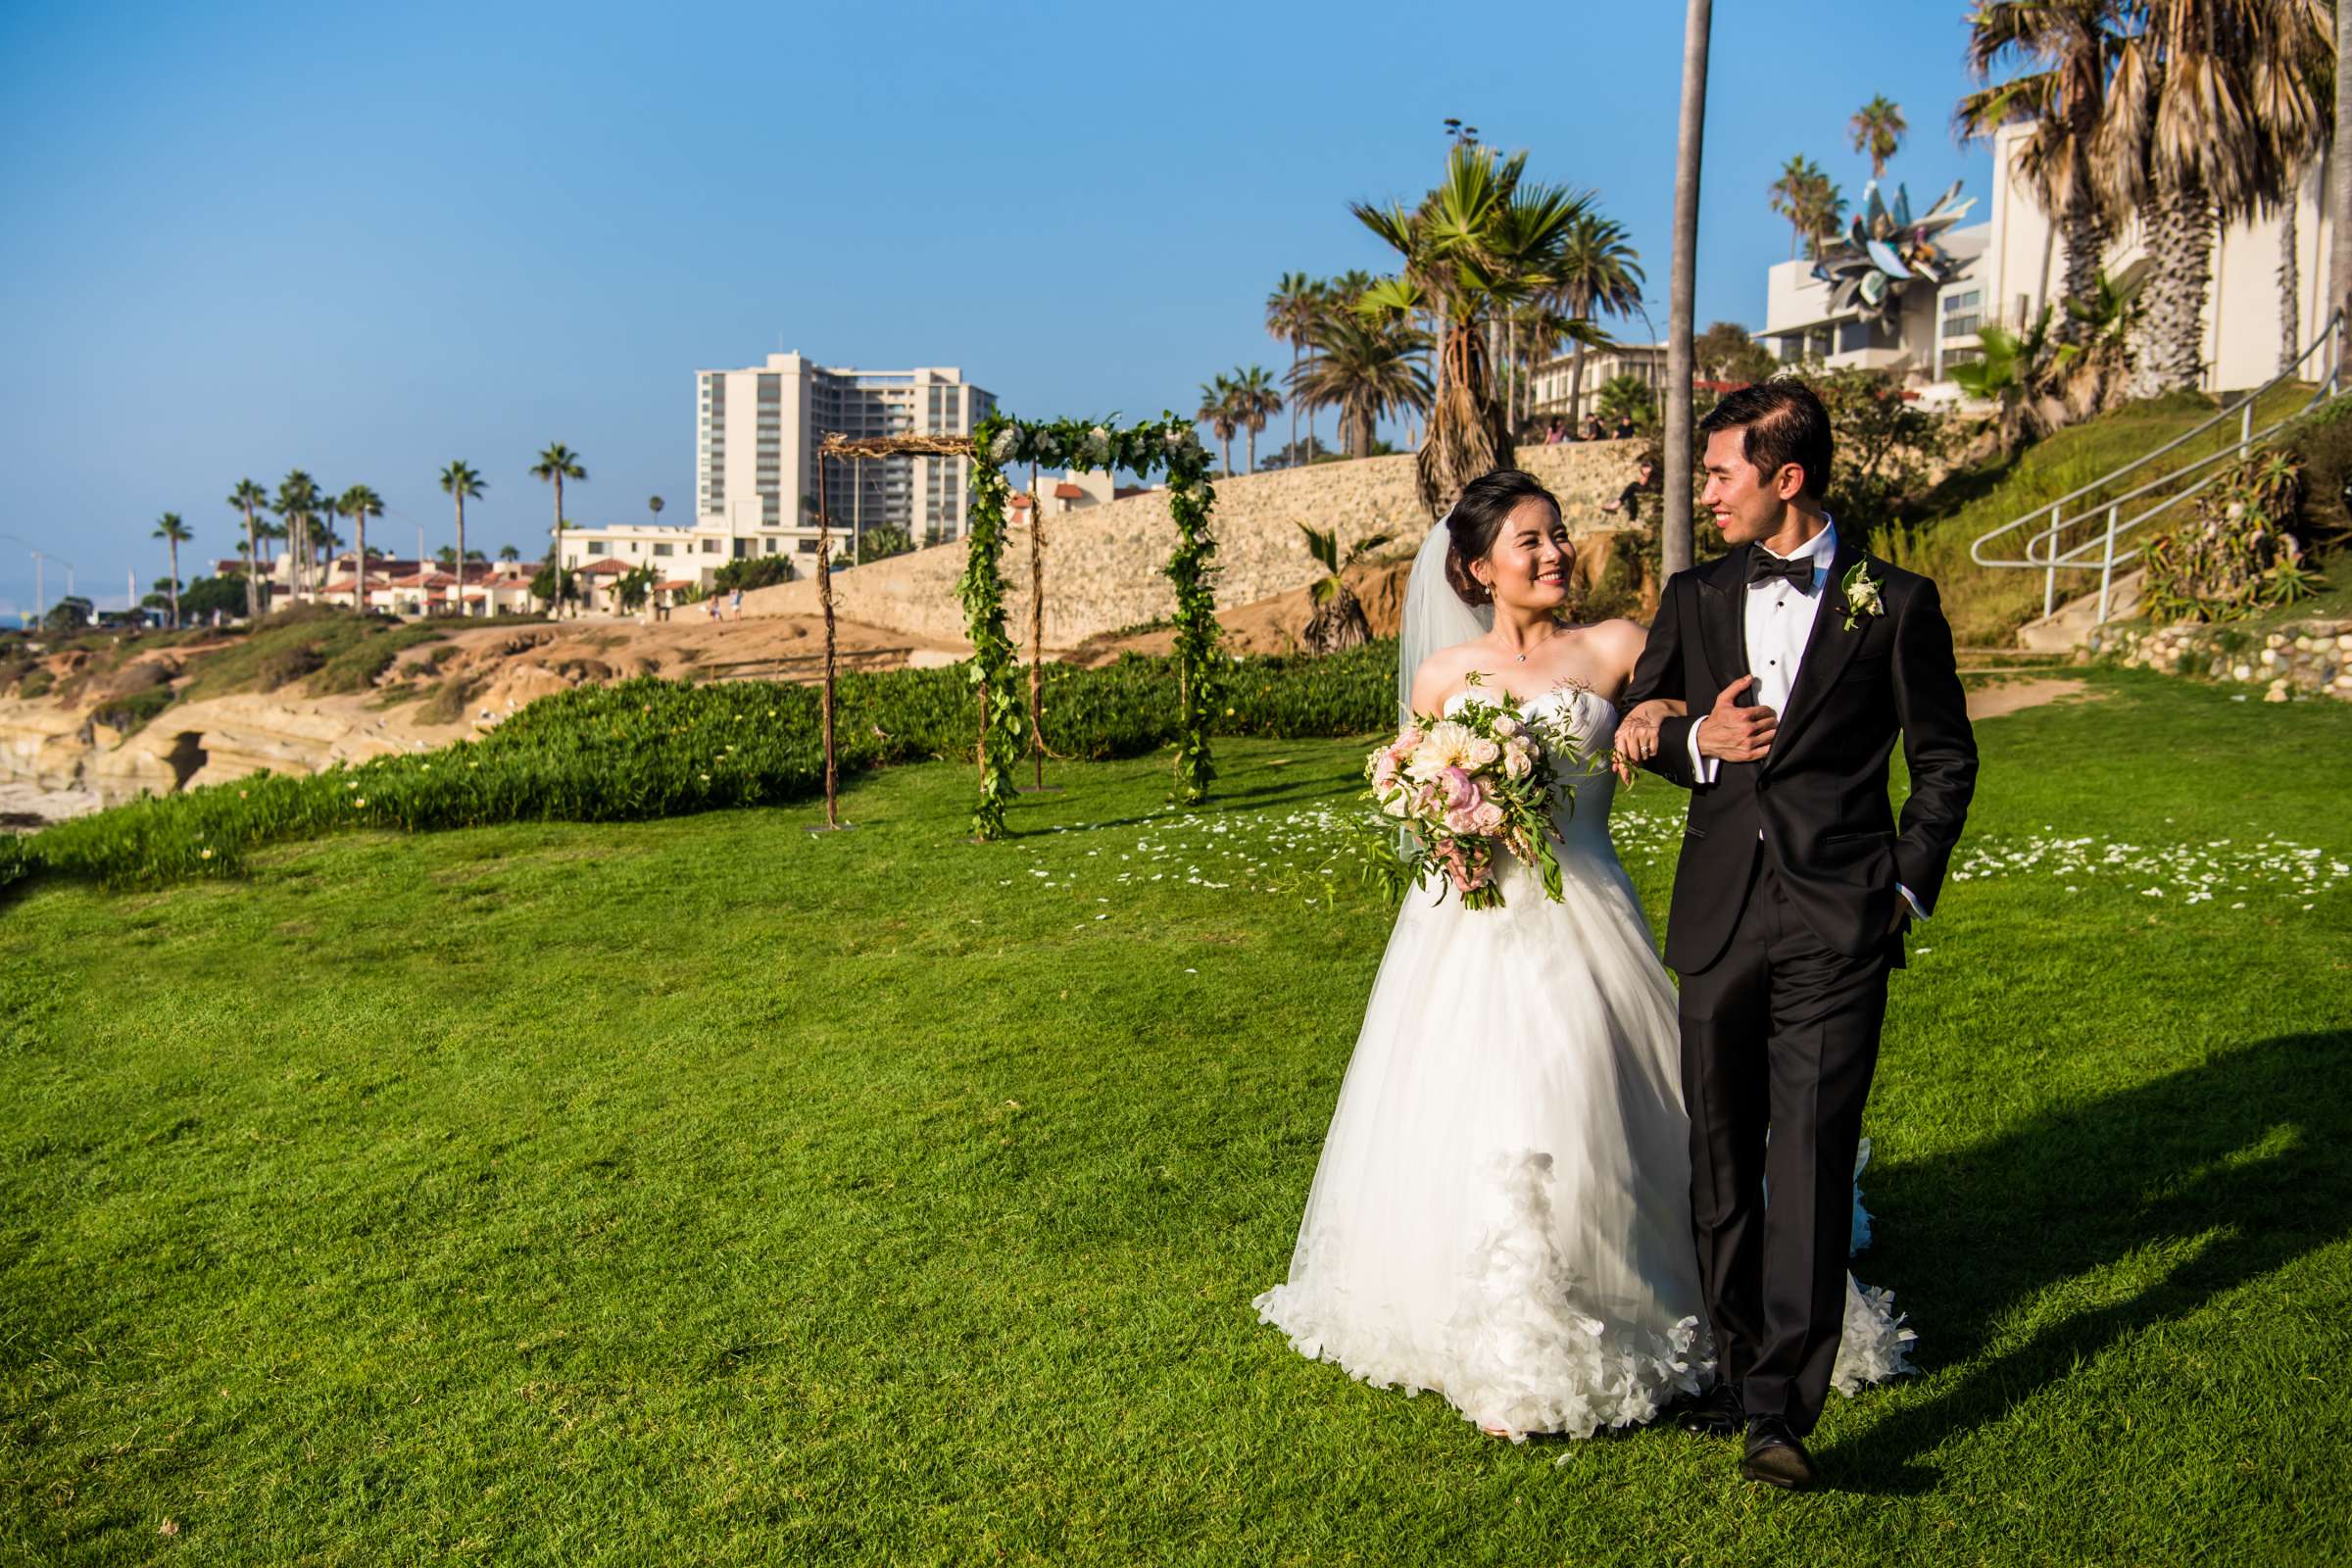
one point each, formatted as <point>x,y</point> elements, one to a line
<point>700,1190</point>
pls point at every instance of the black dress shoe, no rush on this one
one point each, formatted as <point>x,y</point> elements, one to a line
<point>1776,1457</point>
<point>1716,1413</point>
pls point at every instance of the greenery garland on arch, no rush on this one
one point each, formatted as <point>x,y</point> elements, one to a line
<point>1167,445</point>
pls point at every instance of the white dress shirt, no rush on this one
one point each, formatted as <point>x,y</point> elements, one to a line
<point>1778,622</point>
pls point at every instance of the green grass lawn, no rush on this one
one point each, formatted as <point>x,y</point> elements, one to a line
<point>707,1191</point>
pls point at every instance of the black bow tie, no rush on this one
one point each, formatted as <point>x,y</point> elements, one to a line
<point>1763,566</point>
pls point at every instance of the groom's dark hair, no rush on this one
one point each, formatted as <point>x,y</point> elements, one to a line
<point>1784,423</point>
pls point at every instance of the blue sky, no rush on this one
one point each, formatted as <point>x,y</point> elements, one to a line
<point>246,237</point>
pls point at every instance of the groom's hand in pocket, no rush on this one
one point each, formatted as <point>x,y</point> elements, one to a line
<point>1733,732</point>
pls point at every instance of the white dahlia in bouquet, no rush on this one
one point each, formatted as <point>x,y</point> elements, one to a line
<point>1470,787</point>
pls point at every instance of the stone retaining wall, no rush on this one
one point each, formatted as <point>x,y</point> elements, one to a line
<point>2309,658</point>
<point>1103,565</point>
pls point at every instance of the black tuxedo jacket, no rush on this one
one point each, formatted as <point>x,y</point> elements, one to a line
<point>1816,806</point>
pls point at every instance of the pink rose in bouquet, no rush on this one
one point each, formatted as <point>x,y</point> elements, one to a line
<point>1473,787</point>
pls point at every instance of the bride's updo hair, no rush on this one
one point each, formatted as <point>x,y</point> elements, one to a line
<point>1486,504</point>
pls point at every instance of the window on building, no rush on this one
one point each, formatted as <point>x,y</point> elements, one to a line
<point>660,550</point>
<point>709,547</point>
<point>771,546</point>
<point>808,546</point>
<point>1963,313</point>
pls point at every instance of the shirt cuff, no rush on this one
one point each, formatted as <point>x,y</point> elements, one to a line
<point>1702,768</point>
<point>1918,911</point>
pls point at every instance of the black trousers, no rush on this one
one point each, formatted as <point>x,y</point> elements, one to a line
<point>1779,1035</point>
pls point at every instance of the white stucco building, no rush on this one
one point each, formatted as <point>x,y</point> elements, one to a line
<point>1644,361</point>
<point>2016,260</point>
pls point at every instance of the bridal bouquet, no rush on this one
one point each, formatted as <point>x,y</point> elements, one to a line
<point>1472,785</point>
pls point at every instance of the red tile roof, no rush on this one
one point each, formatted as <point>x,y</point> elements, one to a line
<point>1066,491</point>
<point>606,567</point>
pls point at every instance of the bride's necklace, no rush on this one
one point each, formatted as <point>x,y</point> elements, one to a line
<point>1521,658</point>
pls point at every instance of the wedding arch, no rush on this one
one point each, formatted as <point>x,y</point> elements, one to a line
<point>1167,446</point>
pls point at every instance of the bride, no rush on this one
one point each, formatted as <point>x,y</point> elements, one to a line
<point>1503,1208</point>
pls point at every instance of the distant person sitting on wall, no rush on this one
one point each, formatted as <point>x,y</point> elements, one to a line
<point>1625,427</point>
<point>1629,499</point>
<point>1556,431</point>
<point>1592,429</point>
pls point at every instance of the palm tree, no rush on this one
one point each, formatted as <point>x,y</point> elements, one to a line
<point>1255,401</point>
<point>507,553</point>
<point>2212,105</point>
<point>1483,240</point>
<point>1217,413</point>
<point>1674,529</point>
<point>1339,621</point>
<point>297,498</point>
<point>556,465</point>
<point>1824,212</point>
<point>359,502</point>
<point>1598,270</point>
<point>654,505</point>
<point>461,484</point>
<point>1291,311</point>
<point>2015,373</point>
<point>250,498</point>
<point>173,534</point>
<point>1367,368</point>
<point>1792,196</point>
<point>1878,129</point>
<point>2069,49</point>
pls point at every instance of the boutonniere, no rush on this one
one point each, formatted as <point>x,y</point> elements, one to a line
<point>1861,591</point>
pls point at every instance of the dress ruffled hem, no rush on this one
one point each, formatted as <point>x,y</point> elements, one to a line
<point>1527,1350</point>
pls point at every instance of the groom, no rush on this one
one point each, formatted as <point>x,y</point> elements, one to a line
<point>1800,659</point>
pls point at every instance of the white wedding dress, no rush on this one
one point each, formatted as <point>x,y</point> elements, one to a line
<point>1503,1208</point>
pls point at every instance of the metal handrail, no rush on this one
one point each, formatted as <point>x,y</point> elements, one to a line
<point>2042,549</point>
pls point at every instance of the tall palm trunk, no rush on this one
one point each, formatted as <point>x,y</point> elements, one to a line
<point>555,554</point>
<point>1576,378</point>
<point>1297,457</point>
<point>1674,529</point>
<point>2291,280</point>
<point>2339,186</point>
<point>1467,436</point>
<point>174,544</point>
<point>359,564</point>
<point>457,593</point>
<point>2086,253</point>
<point>2180,229</point>
<point>253,565</point>
<point>1250,448</point>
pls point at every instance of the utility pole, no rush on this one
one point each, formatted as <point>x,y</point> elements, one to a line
<point>1674,540</point>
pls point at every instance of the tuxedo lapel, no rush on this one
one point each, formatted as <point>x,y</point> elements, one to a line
<point>1827,648</point>
<point>1722,616</point>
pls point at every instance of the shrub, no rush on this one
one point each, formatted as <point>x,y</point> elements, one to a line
<point>752,571</point>
<point>2235,555</point>
<point>36,682</point>
<point>358,666</point>
<point>649,747</point>
<point>288,663</point>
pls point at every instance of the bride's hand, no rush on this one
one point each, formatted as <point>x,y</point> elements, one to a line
<point>1638,735</point>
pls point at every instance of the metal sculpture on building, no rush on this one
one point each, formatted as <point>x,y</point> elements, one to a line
<point>1886,248</point>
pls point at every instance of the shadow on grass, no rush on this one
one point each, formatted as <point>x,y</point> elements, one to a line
<point>2245,1152</point>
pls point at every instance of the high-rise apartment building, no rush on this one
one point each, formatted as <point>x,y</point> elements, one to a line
<point>757,434</point>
